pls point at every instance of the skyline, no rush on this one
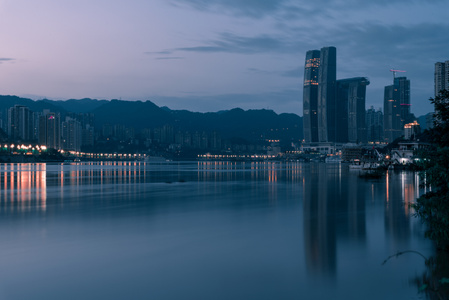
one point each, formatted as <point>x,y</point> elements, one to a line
<point>215,55</point>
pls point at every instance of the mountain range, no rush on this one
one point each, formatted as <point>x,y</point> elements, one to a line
<point>249,125</point>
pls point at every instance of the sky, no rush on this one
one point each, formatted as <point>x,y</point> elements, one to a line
<point>212,55</point>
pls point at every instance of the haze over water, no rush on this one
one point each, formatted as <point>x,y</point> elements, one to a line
<point>206,230</point>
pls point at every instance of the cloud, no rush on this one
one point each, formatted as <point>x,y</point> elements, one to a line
<point>258,71</point>
<point>167,52</point>
<point>287,9</point>
<point>170,57</point>
<point>232,43</point>
<point>296,73</point>
<point>249,8</point>
<point>164,52</point>
<point>204,49</point>
<point>396,46</point>
<point>4,59</point>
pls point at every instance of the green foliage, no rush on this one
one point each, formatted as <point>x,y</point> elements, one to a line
<point>434,281</point>
<point>441,130</point>
<point>433,207</point>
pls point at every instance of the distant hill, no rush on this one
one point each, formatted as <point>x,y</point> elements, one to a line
<point>79,106</point>
<point>135,114</point>
<point>9,101</point>
<point>422,120</point>
<point>251,125</point>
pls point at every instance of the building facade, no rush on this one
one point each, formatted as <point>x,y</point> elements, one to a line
<point>327,102</point>
<point>20,123</point>
<point>374,125</point>
<point>50,130</point>
<point>334,110</point>
<point>350,110</point>
<point>402,94</point>
<point>310,96</point>
<point>392,117</point>
<point>441,76</point>
<point>71,134</point>
<point>396,108</point>
<point>411,130</point>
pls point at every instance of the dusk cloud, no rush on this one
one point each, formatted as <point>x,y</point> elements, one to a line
<point>169,57</point>
<point>287,8</point>
<point>167,52</point>
<point>232,43</point>
<point>232,52</point>
<point>4,59</point>
<point>296,73</point>
<point>251,8</point>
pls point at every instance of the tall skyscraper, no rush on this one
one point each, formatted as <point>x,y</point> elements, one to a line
<point>50,130</point>
<point>402,90</point>
<point>327,84</point>
<point>441,76</point>
<point>334,110</point>
<point>350,110</point>
<point>310,96</point>
<point>396,108</point>
<point>20,123</point>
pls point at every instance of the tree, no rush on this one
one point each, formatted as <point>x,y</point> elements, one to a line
<point>433,207</point>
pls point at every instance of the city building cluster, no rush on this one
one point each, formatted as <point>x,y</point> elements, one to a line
<point>334,109</point>
<point>46,128</point>
<point>27,130</point>
<point>334,118</point>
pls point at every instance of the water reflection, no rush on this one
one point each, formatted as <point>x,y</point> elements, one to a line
<point>335,211</point>
<point>264,227</point>
<point>24,186</point>
<point>334,208</point>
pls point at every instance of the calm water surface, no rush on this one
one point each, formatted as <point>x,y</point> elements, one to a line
<point>206,230</point>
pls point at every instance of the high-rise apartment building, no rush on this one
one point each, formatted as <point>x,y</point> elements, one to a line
<point>350,110</point>
<point>441,76</point>
<point>20,123</point>
<point>327,85</point>
<point>71,134</point>
<point>374,124</point>
<point>310,96</point>
<point>396,108</point>
<point>50,130</point>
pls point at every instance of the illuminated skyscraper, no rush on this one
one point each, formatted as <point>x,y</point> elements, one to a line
<point>327,85</point>
<point>396,108</point>
<point>50,130</point>
<point>402,88</point>
<point>334,110</point>
<point>310,96</point>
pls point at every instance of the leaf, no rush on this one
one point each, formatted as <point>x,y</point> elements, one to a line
<point>423,287</point>
<point>444,280</point>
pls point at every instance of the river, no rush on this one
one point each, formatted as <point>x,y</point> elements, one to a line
<point>207,230</point>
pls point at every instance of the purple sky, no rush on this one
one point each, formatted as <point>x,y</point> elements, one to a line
<point>210,55</point>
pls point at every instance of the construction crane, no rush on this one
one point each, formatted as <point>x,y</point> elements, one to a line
<point>394,72</point>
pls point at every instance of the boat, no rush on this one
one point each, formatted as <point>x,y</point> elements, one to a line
<point>333,159</point>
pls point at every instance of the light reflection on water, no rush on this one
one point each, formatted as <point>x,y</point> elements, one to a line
<point>202,230</point>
